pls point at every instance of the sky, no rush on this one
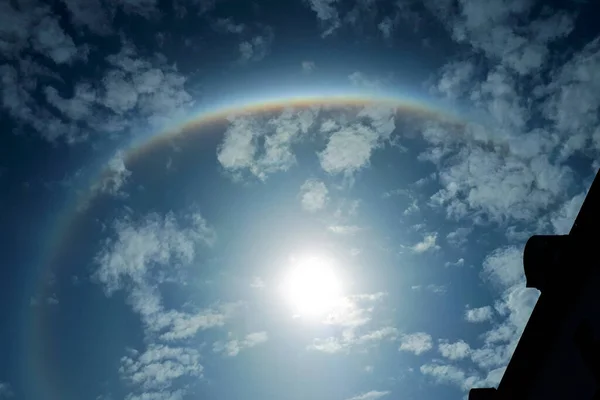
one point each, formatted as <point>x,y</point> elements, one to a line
<point>323,199</point>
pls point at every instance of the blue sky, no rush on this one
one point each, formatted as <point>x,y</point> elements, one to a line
<point>322,199</point>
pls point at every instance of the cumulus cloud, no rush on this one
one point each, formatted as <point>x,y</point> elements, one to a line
<point>153,241</point>
<point>500,186</point>
<point>417,343</point>
<point>233,347</point>
<point>371,395</point>
<point>240,150</point>
<point>499,30</point>
<point>504,267</point>
<point>350,146</point>
<point>145,252</point>
<point>349,149</point>
<point>314,195</point>
<point>428,244</point>
<point>132,92</point>
<point>452,375</point>
<point>454,351</point>
<point>50,39</point>
<point>480,314</point>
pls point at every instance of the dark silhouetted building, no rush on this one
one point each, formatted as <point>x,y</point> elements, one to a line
<point>558,355</point>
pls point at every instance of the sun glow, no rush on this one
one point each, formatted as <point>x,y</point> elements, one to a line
<point>312,287</point>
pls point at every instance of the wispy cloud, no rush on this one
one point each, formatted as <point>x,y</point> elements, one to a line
<point>371,395</point>
<point>344,229</point>
<point>308,66</point>
<point>257,47</point>
<point>160,366</point>
<point>233,347</point>
<point>353,315</point>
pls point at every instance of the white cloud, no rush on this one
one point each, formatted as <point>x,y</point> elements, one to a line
<point>387,26</point>
<point>239,151</point>
<point>572,104</point>
<point>352,315</point>
<point>504,267</point>
<point>49,39</point>
<point>500,186</point>
<point>480,314</point>
<point>115,177</point>
<point>454,351</point>
<point>152,249</point>
<point>349,149</point>
<point>387,332</point>
<point>233,347</point>
<point>371,395</point>
<point>496,28</point>
<point>353,311</point>
<point>458,237</point>
<point>139,246</point>
<point>314,195</point>
<point>412,208</point>
<point>352,143</point>
<point>160,395</point>
<point>362,81</point>
<point>256,48</point>
<point>326,14</point>
<point>345,229</point>
<point>103,107</point>
<point>417,343</point>
<point>452,375</point>
<point>446,374</point>
<point>428,244</point>
<point>458,263</point>
<point>160,366</point>
<point>330,345</point>
<point>563,219</point>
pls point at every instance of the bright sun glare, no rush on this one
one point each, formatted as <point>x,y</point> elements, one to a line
<point>312,287</point>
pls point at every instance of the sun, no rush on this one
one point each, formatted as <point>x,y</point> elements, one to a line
<point>312,287</point>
